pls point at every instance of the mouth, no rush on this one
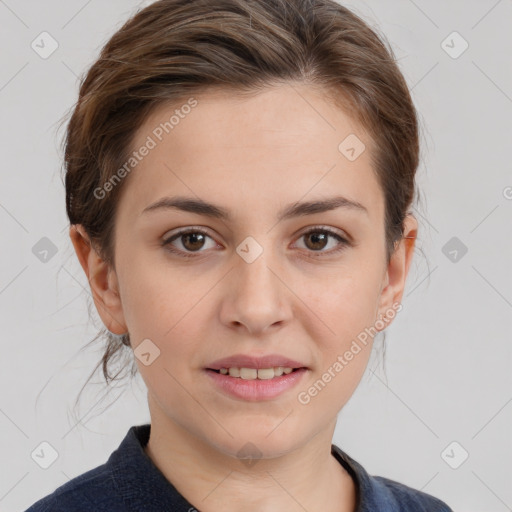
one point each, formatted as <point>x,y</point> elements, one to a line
<point>256,373</point>
<point>255,377</point>
<point>256,384</point>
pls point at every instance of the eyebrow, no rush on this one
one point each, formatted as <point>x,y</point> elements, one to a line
<point>200,207</point>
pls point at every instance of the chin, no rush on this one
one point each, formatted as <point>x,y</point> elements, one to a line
<point>251,442</point>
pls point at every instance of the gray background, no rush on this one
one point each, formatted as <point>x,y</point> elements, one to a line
<point>449,354</point>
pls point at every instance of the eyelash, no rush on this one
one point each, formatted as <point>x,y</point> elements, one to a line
<point>316,254</point>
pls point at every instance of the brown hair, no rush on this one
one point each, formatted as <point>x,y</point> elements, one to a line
<point>173,49</point>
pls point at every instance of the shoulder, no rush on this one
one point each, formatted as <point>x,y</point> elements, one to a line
<point>92,490</point>
<point>406,499</point>
<point>105,487</point>
<point>386,495</point>
<point>127,477</point>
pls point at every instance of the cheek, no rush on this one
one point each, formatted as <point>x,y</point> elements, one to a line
<point>345,303</point>
<point>172,311</point>
<point>348,310</point>
<point>154,298</point>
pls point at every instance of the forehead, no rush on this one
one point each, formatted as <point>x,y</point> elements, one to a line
<point>280,145</point>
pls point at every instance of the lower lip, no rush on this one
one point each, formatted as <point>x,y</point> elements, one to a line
<point>256,389</point>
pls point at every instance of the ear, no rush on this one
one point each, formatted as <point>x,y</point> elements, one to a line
<point>397,270</point>
<point>102,280</point>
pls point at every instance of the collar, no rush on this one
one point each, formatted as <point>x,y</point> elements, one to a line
<point>142,486</point>
<point>371,495</point>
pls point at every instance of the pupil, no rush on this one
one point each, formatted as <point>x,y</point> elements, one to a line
<point>194,237</point>
<point>318,236</point>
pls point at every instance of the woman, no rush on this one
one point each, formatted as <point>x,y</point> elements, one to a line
<point>239,176</point>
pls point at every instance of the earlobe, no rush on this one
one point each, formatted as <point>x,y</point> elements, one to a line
<point>102,280</point>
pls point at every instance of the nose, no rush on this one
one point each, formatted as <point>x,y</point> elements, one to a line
<point>257,297</point>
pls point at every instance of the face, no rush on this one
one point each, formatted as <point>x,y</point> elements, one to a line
<point>304,286</point>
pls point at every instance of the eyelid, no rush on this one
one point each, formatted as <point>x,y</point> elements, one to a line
<point>167,239</point>
<point>344,240</point>
<point>333,231</point>
<point>187,229</point>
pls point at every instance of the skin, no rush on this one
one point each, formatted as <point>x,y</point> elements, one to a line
<point>252,156</point>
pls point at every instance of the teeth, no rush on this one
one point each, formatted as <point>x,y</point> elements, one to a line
<point>253,373</point>
<point>234,372</point>
<point>248,373</point>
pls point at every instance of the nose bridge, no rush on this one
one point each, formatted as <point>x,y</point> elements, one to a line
<point>257,299</point>
<point>256,279</point>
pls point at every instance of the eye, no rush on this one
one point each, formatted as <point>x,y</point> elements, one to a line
<point>317,238</point>
<point>190,239</point>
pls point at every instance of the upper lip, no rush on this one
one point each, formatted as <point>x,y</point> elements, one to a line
<point>247,361</point>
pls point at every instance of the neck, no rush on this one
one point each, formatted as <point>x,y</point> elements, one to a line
<point>306,478</point>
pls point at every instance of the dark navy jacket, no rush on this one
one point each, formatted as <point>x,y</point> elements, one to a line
<point>130,482</point>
